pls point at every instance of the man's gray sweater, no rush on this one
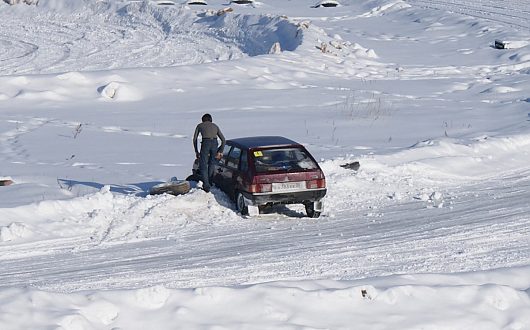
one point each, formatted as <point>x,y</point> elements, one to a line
<point>208,130</point>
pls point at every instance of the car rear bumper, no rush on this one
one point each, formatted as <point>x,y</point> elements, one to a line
<point>297,197</point>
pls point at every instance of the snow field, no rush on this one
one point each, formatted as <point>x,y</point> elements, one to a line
<point>97,104</point>
<point>104,42</point>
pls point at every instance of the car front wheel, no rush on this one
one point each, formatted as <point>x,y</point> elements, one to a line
<point>241,206</point>
<point>310,210</point>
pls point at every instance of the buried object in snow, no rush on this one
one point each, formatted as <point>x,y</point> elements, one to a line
<point>173,187</point>
<point>354,166</point>
<point>326,3</point>
<point>6,182</point>
<point>499,44</point>
<point>197,2</point>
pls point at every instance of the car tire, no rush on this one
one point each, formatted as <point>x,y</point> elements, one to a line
<point>178,187</point>
<point>241,206</point>
<point>310,210</point>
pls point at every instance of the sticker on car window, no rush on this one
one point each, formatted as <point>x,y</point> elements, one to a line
<point>258,154</point>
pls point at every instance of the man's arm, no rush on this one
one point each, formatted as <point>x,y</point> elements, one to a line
<point>195,136</point>
<point>223,140</point>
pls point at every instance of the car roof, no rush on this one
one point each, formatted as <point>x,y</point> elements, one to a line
<point>263,141</point>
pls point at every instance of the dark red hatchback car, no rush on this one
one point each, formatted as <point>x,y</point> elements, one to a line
<point>265,170</point>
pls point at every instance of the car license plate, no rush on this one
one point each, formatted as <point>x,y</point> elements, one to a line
<point>288,186</point>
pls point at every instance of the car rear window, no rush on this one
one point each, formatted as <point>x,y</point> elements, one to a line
<point>284,159</point>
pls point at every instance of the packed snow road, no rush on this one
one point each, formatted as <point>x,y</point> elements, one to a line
<point>483,226</point>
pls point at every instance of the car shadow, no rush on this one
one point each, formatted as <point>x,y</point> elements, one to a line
<point>282,210</point>
<point>269,211</point>
<point>140,189</point>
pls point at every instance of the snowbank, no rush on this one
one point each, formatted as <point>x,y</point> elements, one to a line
<point>485,300</point>
<point>13,231</point>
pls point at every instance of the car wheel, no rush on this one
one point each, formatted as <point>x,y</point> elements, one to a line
<point>310,210</point>
<point>241,206</point>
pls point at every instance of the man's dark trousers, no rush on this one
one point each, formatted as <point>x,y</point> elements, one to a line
<point>207,160</point>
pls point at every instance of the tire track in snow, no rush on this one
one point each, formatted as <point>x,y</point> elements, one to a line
<point>486,227</point>
<point>15,53</point>
<point>516,16</point>
<point>50,43</point>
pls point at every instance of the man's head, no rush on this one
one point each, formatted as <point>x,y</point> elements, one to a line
<point>207,117</point>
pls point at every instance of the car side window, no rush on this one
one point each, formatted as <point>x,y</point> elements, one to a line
<point>244,161</point>
<point>233,158</point>
<point>226,151</point>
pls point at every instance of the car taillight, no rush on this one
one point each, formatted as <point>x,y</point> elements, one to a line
<point>260,188</point>
<point>316,184</point>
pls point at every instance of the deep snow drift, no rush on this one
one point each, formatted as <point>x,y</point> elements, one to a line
<point>98,102</point>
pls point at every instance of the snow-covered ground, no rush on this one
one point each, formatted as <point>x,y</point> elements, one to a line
<point>98,102</point>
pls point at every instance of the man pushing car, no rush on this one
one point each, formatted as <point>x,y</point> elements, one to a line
<point>209,148</point>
